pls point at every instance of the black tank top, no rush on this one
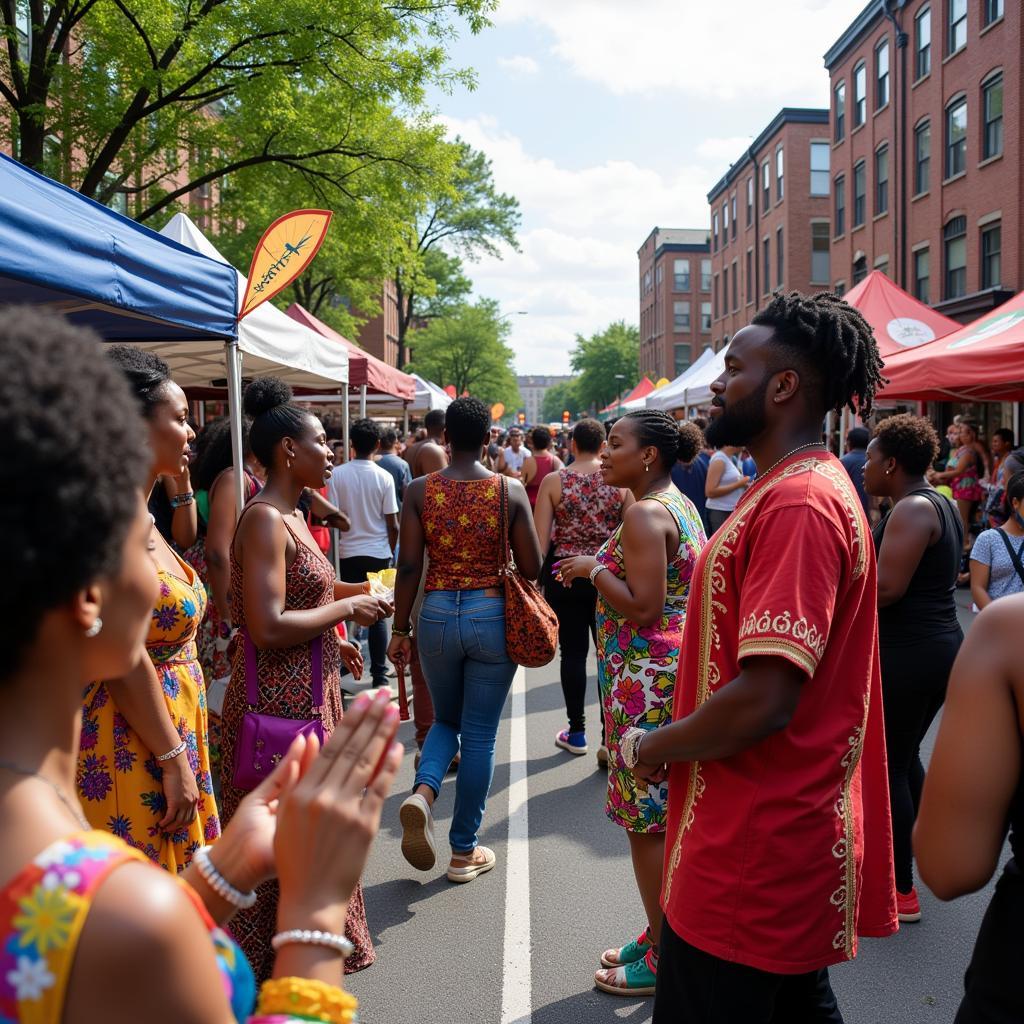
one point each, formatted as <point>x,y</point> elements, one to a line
<point>928,608</point>
<point>1017,823</point>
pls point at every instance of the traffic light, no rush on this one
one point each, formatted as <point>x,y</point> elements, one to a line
<point>565,418</point>
<point>521,417</point>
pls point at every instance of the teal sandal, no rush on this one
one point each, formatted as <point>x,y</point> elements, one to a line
<point>630,952</point>
<point>639,978</point>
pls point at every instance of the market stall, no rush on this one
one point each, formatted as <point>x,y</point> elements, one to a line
<point>636,396</point>
<point>672,394</point>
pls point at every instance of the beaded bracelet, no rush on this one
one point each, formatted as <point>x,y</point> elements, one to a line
<point>171,754</point>
<point>307,999</point>
<point>219,884</point>
<point>305,937</point>
<point>180,500</point>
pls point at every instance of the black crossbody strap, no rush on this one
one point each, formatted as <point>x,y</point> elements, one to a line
<point>1013,553</point>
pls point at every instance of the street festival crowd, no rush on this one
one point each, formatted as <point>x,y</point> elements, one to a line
<point>776,630</point>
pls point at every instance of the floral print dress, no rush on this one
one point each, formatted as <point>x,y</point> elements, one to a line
<point>120,782</point>
<point>637,665</point>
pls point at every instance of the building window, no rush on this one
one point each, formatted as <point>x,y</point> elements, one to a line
<point>860,94</point>
<point>766,186</point>
<point>882,180</point>
<point>821,272</point>
<point>860,188</point>
<point>681,359</point>
<point>839,288</point>
<point>993,11</point>
<point>724,308</point>
<point>659,274</point>
<point>750,200</point>
<point>725,224</point>
<point>820,158</point>
<point>882,74</point>
<point>705,275</point>
<point>705,316</point>
<point>954,240</point>
<point>714,232</point>
<point>680,316</point>
<point>750,275</point>
<point>922,263</point>
<point>923,43</point>
<point>735,286</point>
<point>840,192</point>
<point>991,249</point>
<point>732,203</point>
<point>681,275</point>
<point>780,264</point>
<point>766,264</point>
<point>718,304</point>
<point>992,107</point>
<point>956,137</point>
<point>956,33</point>
<point>839,111</point>
<point>779,173</point>
<point>922,156</point>
<point>860,269</point>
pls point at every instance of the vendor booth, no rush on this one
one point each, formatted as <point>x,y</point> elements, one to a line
<point>671,395</point>
<point>634,400</point>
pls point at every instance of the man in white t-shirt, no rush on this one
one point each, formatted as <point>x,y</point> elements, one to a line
<point>511,459</point>
<point>366,493</point>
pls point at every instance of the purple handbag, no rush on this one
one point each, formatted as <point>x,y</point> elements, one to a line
<point>263,740</point>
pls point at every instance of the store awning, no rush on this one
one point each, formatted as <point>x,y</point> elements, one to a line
<point>104,271</point>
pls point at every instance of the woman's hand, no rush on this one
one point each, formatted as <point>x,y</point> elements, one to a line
<point>367,610</point>
<point>327,820</point>
<point>181,792</point>
<point>352,656</point>
<point>400,651</point>
<point>577,567</point>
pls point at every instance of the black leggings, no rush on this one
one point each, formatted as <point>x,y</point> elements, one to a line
<point>914,680</point>
<point>575,606</point>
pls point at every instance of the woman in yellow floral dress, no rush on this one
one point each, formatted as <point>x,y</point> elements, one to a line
<point>144,764</point>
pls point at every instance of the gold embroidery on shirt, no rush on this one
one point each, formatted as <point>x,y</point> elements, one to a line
<point>778,626</point>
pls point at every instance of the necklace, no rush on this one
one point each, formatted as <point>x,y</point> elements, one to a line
<point>799,448</point>
<point>61,795</point>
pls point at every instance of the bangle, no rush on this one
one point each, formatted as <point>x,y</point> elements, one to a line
<point>219,884</point>
<point>599,568</point>
<point>307,999</point>
<point>407,632</point>
<point>305,937</point>
<point>171,754</point>
<point>180,500</point>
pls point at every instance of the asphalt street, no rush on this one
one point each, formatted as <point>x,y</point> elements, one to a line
<point>455,954</point>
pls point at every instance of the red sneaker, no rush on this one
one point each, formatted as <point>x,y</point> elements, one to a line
<point>908,907</point>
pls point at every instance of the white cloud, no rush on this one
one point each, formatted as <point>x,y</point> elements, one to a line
<point>519,64</point>
<point>726,50</point>
<point>724,151</point>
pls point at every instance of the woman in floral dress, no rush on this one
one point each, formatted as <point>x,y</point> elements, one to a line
<point>642,576</point>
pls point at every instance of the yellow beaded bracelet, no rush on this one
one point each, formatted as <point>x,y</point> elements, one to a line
<point>308,999</point>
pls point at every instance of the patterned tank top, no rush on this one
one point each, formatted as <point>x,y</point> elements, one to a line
<point>587,515</point>
<point>42,913</point>
<point>460,526</point>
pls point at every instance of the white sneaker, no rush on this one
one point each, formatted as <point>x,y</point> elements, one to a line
<point>417,832</point>
<point>466,867</point>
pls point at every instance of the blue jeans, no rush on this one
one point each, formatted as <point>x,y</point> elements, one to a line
<point>461,643</point>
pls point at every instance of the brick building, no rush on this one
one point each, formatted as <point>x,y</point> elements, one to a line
<point>770,219</point>
<point>675,300</point>
<point>926,151</point>
<point>379,335</point>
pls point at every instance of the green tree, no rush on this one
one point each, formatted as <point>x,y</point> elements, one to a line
<point>146,101</point>
<point>467,350</point>
<point>561,398</point>
<point>607,363</point>
<point>468,220</point>
<point>451,286</point>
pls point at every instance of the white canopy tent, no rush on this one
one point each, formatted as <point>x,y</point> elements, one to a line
<point>670,396</point>
<point>698,388</point>
<point>269,344</point>
<point>428,396</point>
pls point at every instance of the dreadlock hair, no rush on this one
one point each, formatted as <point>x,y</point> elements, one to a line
<point>834,346</point>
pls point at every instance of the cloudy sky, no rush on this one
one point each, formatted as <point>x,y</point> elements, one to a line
<point>607,118</point>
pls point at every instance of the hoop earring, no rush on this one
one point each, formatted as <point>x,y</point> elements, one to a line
<point>94,629</point>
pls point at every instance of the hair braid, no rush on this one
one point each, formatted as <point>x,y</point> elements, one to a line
<point>835,345</point>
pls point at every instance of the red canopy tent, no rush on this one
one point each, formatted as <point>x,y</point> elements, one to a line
<point>642,390</point>
<point>982,362</point>
<point>364,369</point>
<point>900,321</point>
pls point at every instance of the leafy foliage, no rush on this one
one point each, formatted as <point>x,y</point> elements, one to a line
<point>607,364</point>
<point>561,398</point>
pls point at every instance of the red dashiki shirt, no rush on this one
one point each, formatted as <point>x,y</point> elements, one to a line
<point>780,856</point>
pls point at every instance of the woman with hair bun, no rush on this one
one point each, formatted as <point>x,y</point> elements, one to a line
<point>284,598</point>
<point>642,577</point>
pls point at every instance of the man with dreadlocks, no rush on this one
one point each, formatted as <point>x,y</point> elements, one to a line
<point>778,847</point>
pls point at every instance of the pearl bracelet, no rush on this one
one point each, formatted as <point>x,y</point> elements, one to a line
<point>599,568</point>
<point>306,937</point>
<point>172,754</point>
<point>219,884</point>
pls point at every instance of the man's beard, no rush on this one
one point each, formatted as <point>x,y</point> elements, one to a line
<point>738,424</point>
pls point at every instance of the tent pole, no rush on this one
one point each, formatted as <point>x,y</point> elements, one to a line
<point>233,359</point>
<point>405,420</point>
<point>344,426</point>
<point>362,402</point>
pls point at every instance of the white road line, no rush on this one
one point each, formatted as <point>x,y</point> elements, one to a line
<point>516,990</point>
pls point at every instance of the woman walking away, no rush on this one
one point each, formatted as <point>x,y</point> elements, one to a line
<point>455,515</point>
<point>540,463</point>
<point>973,798</point>
<point>997,558</point>
<point>724,485</point>
<point>285,604</point>
<point>575,513</point>
<point>918,545</point>
<point>642,575</point>
<point>144,760</point>
<point>91,929</point>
